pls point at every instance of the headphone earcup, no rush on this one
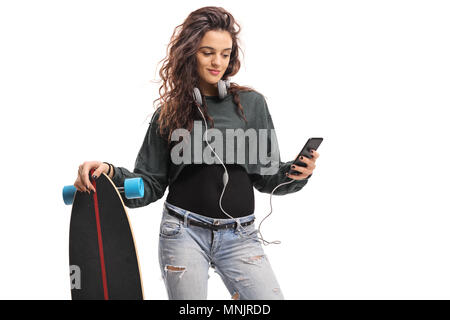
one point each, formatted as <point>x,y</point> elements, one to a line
<point>222,87</point>
<point>198,96</point>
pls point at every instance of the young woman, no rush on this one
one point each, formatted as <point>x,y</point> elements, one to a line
<point>208,218</point>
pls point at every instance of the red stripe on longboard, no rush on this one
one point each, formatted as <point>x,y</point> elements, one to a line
<point>100,243</point>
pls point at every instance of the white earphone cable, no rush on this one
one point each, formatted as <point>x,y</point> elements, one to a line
<point>225,182</point>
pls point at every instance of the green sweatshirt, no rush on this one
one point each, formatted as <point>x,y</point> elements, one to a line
<point>155,163</point>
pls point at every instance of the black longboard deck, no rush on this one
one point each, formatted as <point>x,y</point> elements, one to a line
<point>106,261</point>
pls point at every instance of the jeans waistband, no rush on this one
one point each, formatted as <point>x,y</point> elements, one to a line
<point>204,219</point>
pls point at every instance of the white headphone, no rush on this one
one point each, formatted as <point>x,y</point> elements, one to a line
<point>222,87</point>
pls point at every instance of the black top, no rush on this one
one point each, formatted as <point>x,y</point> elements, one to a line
<point>199,186</point>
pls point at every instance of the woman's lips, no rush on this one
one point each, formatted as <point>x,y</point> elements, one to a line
<point>214,72</point>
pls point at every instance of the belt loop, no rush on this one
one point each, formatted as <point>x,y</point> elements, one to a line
<point>186,219</point>
<point>238,225</point>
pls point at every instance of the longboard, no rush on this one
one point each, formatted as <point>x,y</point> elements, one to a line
<point>104,264</point>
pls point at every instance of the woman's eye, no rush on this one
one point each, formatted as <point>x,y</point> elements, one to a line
<point>209,53</point>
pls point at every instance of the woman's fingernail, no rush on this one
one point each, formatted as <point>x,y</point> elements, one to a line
<point>94,177</point>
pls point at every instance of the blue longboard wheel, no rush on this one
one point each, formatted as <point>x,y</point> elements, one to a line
<point>68,194</point>
<point>134,188</point>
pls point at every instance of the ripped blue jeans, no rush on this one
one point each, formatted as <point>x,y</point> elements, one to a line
<point>187,251</point>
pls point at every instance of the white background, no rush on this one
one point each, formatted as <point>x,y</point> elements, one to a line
<point>371,77</point>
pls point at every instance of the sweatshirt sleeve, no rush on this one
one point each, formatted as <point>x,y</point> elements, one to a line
<point>152,165</point>
<point>266,183</point>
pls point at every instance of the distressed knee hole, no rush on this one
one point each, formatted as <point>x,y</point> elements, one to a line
<point>173,268</point>
<point>254,259</point>
<point>179,269</point>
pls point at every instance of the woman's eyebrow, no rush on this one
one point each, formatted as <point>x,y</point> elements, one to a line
<point>211,48</point>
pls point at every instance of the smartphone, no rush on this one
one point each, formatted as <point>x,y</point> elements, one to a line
<point>312,143</point>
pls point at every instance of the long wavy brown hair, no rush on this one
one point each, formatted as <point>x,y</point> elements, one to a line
<point>179,71</point>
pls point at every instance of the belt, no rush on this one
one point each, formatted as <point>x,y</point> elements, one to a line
<point>207,225</point>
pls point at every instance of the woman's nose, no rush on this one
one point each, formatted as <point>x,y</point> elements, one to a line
<point>215,61</point>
